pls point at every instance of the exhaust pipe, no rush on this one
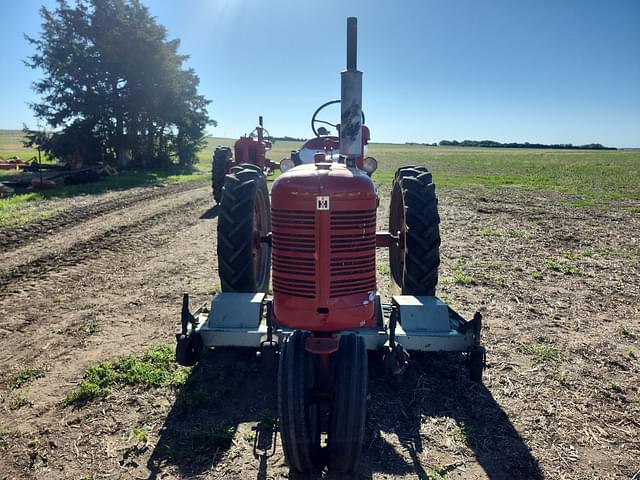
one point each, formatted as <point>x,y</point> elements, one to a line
<point>351,98</point>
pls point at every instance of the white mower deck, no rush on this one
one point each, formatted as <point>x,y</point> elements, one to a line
<point>424,324</point>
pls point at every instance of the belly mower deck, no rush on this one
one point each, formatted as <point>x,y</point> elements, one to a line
<point>409,323</point>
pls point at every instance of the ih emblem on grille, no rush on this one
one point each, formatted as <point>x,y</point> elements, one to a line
<point>322,203</point>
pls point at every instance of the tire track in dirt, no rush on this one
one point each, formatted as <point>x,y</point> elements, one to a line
<point>113,238</point>
<point>14,238</point>
<point>91,270</point>
<point>130,290</point>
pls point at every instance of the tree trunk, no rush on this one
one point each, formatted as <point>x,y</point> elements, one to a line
<point>120,145</point>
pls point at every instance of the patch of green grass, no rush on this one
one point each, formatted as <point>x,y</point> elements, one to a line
<point>462,278</point>
<point>86,392</point>
<point>500,280</point>
<point>598,176</point>
<point>18,402</point>
<point>90,327</point>
<point>383,269</point>
<point>446,298</point>
<point>631,353</point>
<point>626,332</point>
<point>537,275</point>
<point>635,210</point>
<point>196,394</point>
<point>490,232</point>
<point>561,376</point>
<point>616,388</point>
<point>564,268</point>
<point>577,255</point>
<point>581,203</point>
<point>140,436</point>
<point>13,214</point>
<point>631,254</point>
<point>517,234</point>
<point>7,436</point>
<point>216,435</point>
<point>543,353</point>
<point>433,474</point>
<point>459,434</point>
<point>27,375</point>
<point>155,368</point>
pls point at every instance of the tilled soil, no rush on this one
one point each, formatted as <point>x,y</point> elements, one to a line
<point>558,288</point>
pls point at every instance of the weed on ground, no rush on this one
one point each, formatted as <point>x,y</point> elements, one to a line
<point>27,375</point>
<point>155,368</point>
<point>542,353</point>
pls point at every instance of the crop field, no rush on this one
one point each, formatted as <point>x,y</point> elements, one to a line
<point>544,243</point>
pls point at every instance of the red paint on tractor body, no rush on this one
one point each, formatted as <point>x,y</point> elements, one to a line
<point>324,245</point>
<point>250,150</point>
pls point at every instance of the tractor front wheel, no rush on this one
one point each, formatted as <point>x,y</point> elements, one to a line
<point>299,413</point>
<point>413,216</point>
<point>349,408</point>
<point>244,258</point>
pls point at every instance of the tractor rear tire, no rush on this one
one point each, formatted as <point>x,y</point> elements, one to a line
<point>349,409</point>
<point>244,260</point>
<point>221,163</point>
<point>413,212</point>
<point>244,166</point>
<point>299,416</point>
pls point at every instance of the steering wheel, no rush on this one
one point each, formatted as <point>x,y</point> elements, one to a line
<point>314,120</point>
<point>266,136</point>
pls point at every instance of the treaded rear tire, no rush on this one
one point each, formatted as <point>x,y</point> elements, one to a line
<point>245,203</point>
<point>349,409</point>
<point>219,168</point>
<point>299,427</point>
<point>414,212</point>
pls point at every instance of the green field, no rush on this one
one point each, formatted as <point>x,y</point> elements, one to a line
<point>583,178</point>
<point>598,176</point>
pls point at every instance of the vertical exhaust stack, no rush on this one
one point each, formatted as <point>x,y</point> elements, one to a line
<point>351,98</point>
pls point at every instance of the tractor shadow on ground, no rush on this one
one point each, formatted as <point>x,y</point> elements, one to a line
<point>224,390</point>
<point>228,389</point>
<point>211,213</point>
<point>462,415</point>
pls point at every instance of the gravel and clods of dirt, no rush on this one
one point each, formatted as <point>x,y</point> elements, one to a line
<point>558,287</point>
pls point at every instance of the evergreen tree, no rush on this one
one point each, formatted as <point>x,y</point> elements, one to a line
<point>114,86</point>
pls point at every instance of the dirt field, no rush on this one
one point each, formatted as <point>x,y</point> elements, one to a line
<point>558,287</point>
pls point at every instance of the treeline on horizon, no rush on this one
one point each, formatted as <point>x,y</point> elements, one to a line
<point>494,144</point>
<point>289,139</point>
<point>489,144</point>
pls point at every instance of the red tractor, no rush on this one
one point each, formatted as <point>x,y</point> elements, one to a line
<point>249,150</point>
<point>315,236</point>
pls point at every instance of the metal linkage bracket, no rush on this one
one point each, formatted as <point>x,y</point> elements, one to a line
<point>186,317</point>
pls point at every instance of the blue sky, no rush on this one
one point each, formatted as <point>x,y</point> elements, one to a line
<point>546,71</point>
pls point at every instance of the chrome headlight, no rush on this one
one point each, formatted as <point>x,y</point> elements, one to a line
<point>370,165</point>
<point>286,164</point>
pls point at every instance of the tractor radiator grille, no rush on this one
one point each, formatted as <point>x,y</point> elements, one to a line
<point>353,252</point>
<point>294,246</point>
